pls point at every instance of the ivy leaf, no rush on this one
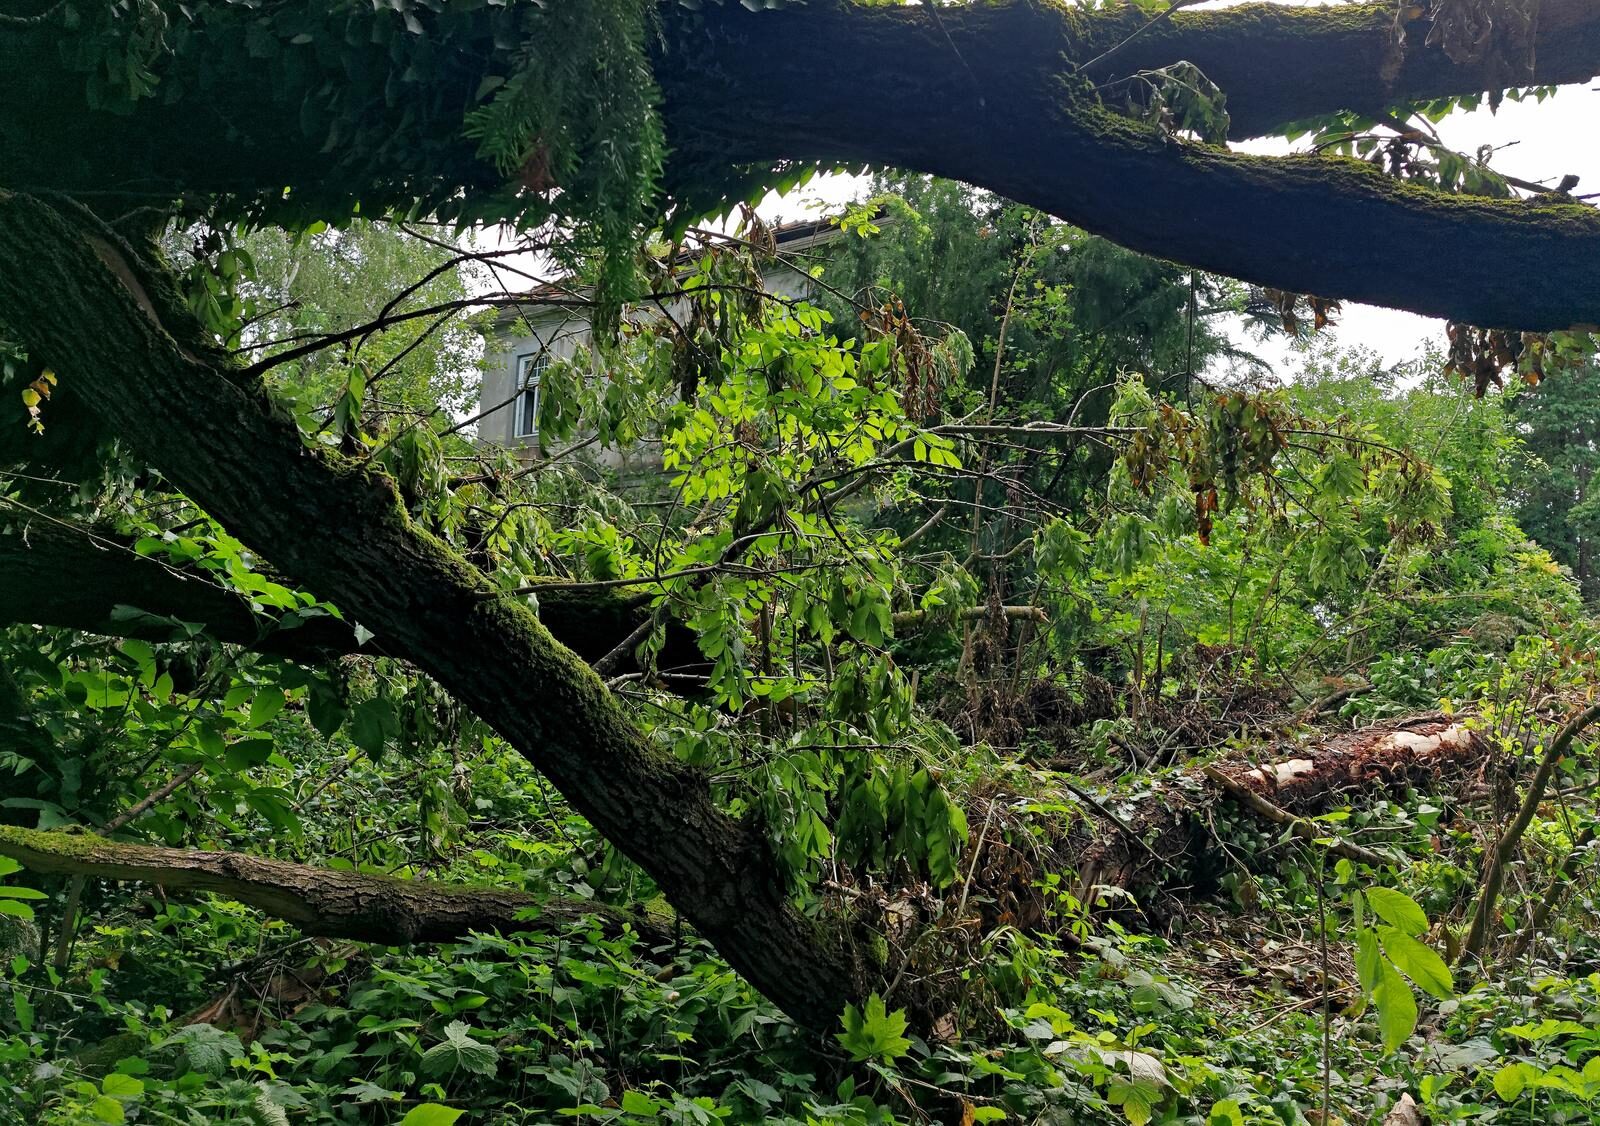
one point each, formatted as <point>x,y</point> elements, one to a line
<point>875,1033</point>
<point>431,1114</point>
<point>458,1051</point>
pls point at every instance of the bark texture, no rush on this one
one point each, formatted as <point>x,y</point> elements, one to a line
<point>339,530</point>
<point>987,93</point>
<point>1282,64</point>
<point>319,901</point>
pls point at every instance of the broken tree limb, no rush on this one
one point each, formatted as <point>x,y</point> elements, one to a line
<point>54,572</point>
<point>1299,826</point>
<point>915,619</point>
<point>323,902</point>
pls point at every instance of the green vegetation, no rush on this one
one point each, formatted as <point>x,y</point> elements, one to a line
<point>1001,697</point>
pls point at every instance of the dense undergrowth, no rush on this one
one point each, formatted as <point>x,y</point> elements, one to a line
<point>940,696</point>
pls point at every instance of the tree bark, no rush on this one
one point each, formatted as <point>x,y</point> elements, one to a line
<point>319,901</point>
<point>1280,64</point>
<point>338,528</point>
<point>986,93</point>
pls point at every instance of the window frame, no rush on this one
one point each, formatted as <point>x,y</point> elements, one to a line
<point>530,369</point>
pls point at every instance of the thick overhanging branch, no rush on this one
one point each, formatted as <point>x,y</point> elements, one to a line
<point>985,94</point>
<point>53,573</point>
<point>339,528</point>
<point>986,102</point>
<point>320,901</point>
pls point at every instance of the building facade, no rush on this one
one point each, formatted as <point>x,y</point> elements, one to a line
<point>527,339</point>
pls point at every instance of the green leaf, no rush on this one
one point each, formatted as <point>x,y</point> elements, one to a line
<point>1397,1008</point>
<point>325,707</point>
<point>24,1009</point>
<point>458,1051</point>
<point>1369,963</point>
<point>431,1114</point>
<point>120,1086</point>
<point>641,1104</point>
<point>1226,1112</point>
<point>875,1033</point>
<point>249,752</point>
<point>22,893</point>
<point>1510,1081</point>
<point>1418,962</point>
<point>1398,910</point>
<point>268,702</point>
<point>372,723</point>
<point>107,1109</point>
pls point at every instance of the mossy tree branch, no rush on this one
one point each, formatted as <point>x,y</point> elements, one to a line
<point>319,901</point>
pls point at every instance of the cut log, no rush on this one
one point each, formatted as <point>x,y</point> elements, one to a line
<point>1421,752</point>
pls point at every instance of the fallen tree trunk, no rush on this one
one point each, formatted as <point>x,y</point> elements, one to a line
<point>993,93</point>
<point>323,902</point>
<point>1159,844</point>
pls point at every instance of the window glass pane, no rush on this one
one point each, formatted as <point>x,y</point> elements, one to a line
<point>529,369</point>
<point>528,411</point>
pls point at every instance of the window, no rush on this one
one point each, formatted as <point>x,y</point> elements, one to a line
<point>529,369</point>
